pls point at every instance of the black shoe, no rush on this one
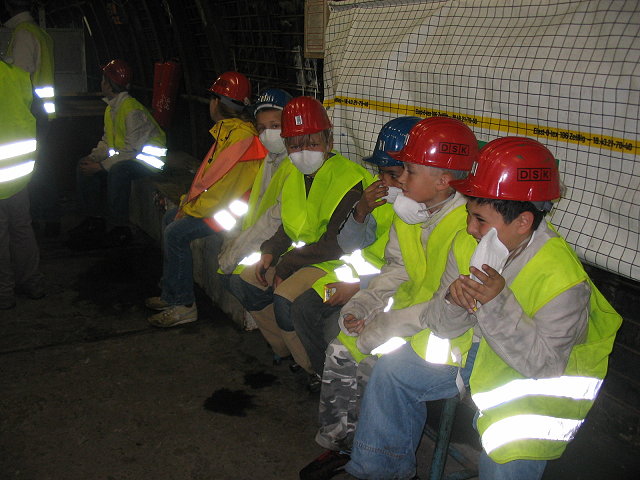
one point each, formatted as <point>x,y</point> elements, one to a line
<point>90,226</point>
<point>325,466</point>
<point>118,237</point>
<point>294,367</point>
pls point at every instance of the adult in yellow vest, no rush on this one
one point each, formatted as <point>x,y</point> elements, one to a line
<point>544,330</point>
<point>19,254</point>
<point>317,197</point>
<point>31,48</point>
<point>428,216</point>
<point>315,313</point>
<point>133,146</point>
<point>216,200</point>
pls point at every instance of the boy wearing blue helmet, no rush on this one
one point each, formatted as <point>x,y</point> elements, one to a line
<point>315,313</point>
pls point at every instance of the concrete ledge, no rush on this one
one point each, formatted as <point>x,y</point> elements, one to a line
<point>150,198</point>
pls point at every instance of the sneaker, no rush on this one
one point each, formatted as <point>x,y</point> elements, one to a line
<point>156,303</point>
<point>325,466</point>
<point>176,315</point>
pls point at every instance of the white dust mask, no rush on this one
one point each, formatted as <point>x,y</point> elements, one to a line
<point>409,210</point>
<point>307,161</point>
<point>392,195</point>
<point>272,141</point>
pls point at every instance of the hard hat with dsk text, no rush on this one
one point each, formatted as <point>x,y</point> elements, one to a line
<point>440,142</point>
<point>513,168</point>
<point>304,116</point>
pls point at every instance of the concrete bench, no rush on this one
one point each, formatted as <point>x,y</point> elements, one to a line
<point>151,197</point>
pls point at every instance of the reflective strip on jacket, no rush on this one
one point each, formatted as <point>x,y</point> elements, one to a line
<point>534,419</point>
<point>17,130</point>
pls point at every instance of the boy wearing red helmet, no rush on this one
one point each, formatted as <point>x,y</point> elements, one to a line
<point>317,196</point>
<point>216,199</point>
<point>428,216</point>
<point>542,331</point>
<point>133,146</point>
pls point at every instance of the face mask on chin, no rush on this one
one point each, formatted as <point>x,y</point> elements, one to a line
<point>272,141</point>
<point>307,161</point>
<point>410,211</point>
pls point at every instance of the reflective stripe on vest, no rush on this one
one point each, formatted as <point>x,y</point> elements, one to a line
<point>227,218</point>
<point>47,94</point>
<point>149,155</point>
<point>14,150</point>
<point>528,427</point>
<point>577,388</point>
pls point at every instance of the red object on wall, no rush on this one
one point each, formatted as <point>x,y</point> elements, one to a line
<point>166,80</point>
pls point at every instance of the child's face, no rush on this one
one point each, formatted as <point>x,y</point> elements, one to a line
<point>390,176</point>
<point>419,182</point>
<point>481,218</point>
<point>269,118</point>
<point>314,142</point>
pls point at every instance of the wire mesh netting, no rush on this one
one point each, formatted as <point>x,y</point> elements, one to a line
<point>563,72</point>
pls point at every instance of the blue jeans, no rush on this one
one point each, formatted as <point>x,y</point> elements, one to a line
<point>393,415</point>
<point>394,412</point>
<point>118,190</point>
<point>177,272</point>
<point>253,299</point>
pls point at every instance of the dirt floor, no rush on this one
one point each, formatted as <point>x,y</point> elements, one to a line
<point>90,391</point>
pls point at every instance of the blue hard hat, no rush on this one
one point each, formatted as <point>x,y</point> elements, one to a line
<point>391,139</point>
<point>272,98</point>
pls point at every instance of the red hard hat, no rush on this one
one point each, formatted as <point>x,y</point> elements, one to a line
<point>513,168</point>
<point>440,142</point>
<point>304,116</point>
<point>233,85</point>
<point>119,72</point>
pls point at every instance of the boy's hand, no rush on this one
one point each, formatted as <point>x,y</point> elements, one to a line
<point>466,292</point>
<point>344,292</point>
<point>261,268</point>
<point>492,284</point>
<point>353,324</point>
<point>369,200</point>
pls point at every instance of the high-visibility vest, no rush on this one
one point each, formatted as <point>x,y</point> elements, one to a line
<point>534,419</point>
<point>259,205</point>
<point>153,151</point>
<point>227,216</point>
<point>305,217</point>
<point>258,208</point>
<point>367,261</point>
<point>43,77</point>
<point>425,267</point>
<point>17,130</point>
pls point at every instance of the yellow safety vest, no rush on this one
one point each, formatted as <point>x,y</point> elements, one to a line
<point>372,255</point>
<point>305,217</point>
<point>425,267</point>
<point>259,205</point>
<point>17,130</point>
<point>153,151</point>
<point>43,77</point>
<point>534,419</point>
